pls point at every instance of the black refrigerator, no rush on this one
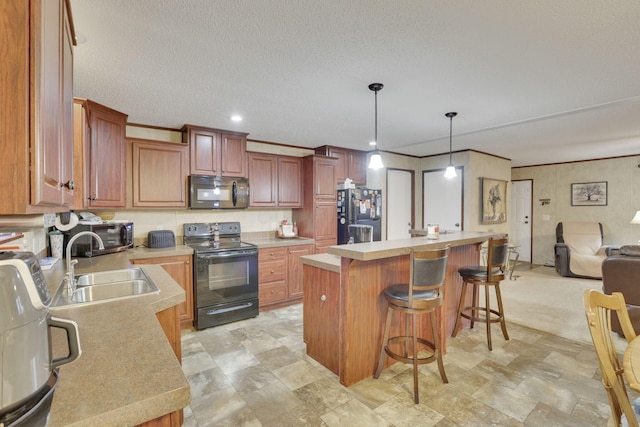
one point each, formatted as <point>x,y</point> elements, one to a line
<point>359,206</point>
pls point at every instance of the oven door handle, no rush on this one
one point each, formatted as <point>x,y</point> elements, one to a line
<point>226,254</point>
<point>228,309</point>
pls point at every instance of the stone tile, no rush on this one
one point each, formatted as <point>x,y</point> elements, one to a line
<point>301,416</point>
<point>373,393</point>
<point>215,408</point>
<point>251,378</point>
<point>535,368</point>
<point>270,403</point>
<point>277,357</point>
<point>570,363</point>
<point>594,413</point>
<point>545,415</point>
<point>207,382</point>
<point>506,400</point>
<point>463,358</point>
<point>353,413</point>
<point>401,411</point>
<point>197,362</point>
<point>549,392</point>
<point>504,375</point>
<point>262,342</point>
<point>297,374</point>
<point>458,407</point>
<point>235,360</point>
<point>323,395</point>
<point>528,349</point>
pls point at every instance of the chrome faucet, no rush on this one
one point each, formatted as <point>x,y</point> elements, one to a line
<point>71,281</point>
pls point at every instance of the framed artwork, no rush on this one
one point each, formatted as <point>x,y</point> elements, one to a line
<point>589,194</point>
<point>494,201</point>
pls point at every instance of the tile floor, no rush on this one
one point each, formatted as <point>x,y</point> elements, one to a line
<point>256,373</point>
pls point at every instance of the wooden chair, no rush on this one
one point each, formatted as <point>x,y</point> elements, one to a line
<point>487,276</point>
<point>422,295</point>
<point>598,308</point>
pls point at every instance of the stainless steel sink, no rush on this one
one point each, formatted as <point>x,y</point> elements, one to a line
<point>105,286</point>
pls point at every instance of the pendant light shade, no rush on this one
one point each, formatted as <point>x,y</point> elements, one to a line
<point>450,172</point>
<point>375,162</point>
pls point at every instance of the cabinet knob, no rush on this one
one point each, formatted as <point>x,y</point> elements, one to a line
<point>271,271</point>
<point>273,292</point>
<point>323,298</point>
<point>71,185</point>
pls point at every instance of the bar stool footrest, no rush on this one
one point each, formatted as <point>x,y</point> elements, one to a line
<point>481,310</point>
<point>421,360</point>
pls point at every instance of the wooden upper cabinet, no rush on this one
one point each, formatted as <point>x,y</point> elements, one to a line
<point>290,182</point>
<point>159,174</point>
<point>276,181</point>
<point>351,163</point>
<point>263,179</point>
<point>325,182</point>
<point>216,152</point>
<point>36,123</point>
<point>106,185</point>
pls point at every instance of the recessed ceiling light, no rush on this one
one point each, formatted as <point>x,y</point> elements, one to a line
<point>372,143</point>
<point>236,118</point>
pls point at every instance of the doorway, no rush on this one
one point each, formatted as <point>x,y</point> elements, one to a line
<point>400,203</point>
<point>521,223</point>
<point>442,200</point>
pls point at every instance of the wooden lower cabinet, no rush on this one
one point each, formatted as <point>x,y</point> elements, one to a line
<point>280,275</point>
<point>180,269</point>
<point>321,316</point>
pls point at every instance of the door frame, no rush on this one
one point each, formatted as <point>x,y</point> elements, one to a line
<point>530,219</point>
<point>459,169</point>
<point>413,198</point>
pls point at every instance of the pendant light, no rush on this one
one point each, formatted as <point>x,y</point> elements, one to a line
<point>451,171</point>
<point>376,159</point>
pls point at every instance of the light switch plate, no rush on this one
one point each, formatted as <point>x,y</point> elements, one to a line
<point>546,217</point>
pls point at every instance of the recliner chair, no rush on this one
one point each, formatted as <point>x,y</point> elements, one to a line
<point>621,273</point>
<point>579,250</point>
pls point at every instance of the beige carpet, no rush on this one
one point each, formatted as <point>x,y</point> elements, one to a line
<point>541,299</point>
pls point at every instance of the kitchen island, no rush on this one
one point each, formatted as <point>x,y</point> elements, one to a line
<point>130,371</point>
<point>344,309</point>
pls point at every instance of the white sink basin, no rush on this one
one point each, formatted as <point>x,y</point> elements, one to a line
<point>105,286</point>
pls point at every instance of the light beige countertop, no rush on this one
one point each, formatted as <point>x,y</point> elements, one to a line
<point>127,373</point>
<point>275,242</point>
<point>393,248</point>
<point>323,261</point>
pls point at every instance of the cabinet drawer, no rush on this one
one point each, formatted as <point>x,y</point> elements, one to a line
<point>272,254</point>
<point>273,270</point>
<point>272,292</point>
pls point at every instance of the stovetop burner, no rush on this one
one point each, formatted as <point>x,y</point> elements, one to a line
<point>201,237</point>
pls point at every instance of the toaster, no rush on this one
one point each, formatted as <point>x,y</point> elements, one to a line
<point>161,239</point>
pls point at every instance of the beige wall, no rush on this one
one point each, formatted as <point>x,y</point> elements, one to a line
<point>554,182</point>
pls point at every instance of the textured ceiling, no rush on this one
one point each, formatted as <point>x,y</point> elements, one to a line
<point>536,81</point>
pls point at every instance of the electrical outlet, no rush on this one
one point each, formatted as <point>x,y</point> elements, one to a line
<point>158,227</point>
<point>49,220</point>
<point>546,217</point>
<point>273,225</point>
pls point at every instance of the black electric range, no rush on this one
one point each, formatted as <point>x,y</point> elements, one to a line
<point>225,273</point>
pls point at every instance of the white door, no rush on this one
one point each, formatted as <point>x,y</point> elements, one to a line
<point>520,233</point>
<point>442,200</point>
<point>399,202</point>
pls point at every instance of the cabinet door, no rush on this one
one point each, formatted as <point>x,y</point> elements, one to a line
<point>205,155</point>
<point>107,153</point>
<point>263,177</point>
<point>321,316</point>
<point>342,166</point>
<point>358,167</point>
<point>325,219</point>
<point>159,174</point>
<point>290,182</point>
<point>233,155</point>
<point>48,150</point>
<point>294,269</point>
<point>324,178</point>
<point>179,268</point>
<point>68,182</point>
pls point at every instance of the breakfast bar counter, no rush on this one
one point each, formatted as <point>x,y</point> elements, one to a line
<point>344,309</point>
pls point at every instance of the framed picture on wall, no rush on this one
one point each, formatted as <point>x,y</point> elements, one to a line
<point>494,201</point>
<point>589,194</point>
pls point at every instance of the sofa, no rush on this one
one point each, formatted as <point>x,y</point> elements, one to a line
<point>621,273</point>
<point>579,249</point>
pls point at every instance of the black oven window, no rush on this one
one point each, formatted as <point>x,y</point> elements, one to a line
<point>228,274</point>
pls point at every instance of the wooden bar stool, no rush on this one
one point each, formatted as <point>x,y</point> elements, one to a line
<point>487,276</point>
<point>422,295</point>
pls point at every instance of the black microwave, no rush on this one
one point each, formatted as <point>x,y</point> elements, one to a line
<point>212,192</point>
<point>115,236</point>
